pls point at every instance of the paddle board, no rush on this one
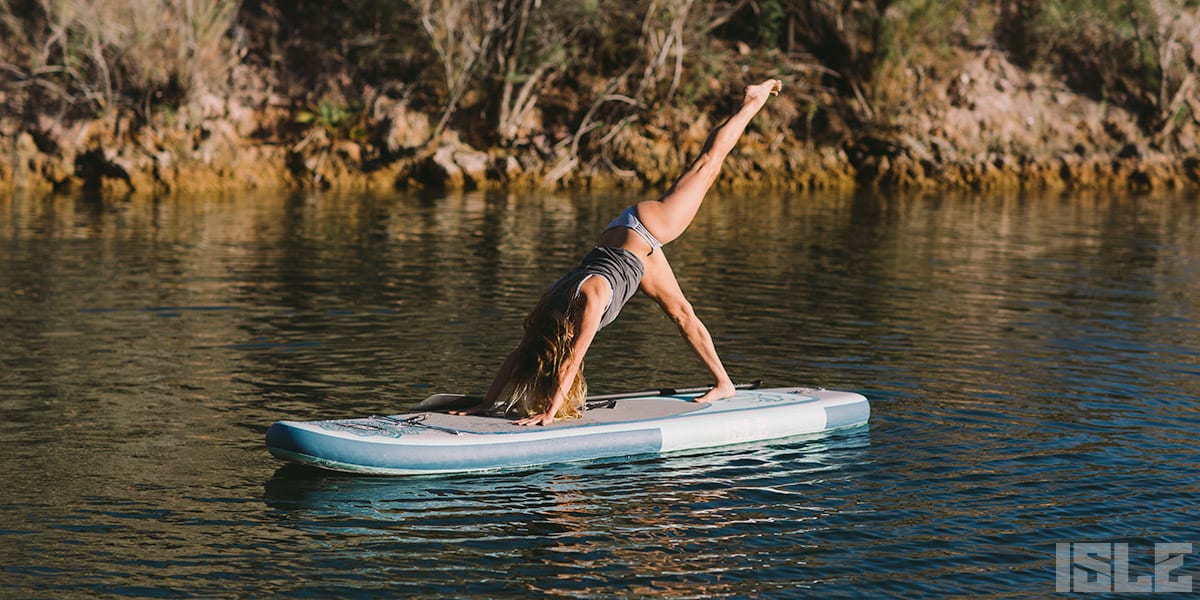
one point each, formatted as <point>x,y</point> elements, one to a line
<point>433,442</point>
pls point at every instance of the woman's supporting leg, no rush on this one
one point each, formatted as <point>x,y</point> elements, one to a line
<point>659,284</point>
<point>670,215</point>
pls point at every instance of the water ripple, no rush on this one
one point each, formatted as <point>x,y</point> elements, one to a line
<point>1031,384</point>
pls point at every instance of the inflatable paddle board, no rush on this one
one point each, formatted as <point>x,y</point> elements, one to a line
<point>617,425</point>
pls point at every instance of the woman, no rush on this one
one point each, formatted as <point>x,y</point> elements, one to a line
<point>542,379</point>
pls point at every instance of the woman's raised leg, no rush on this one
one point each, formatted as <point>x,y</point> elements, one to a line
<point>670,215</point>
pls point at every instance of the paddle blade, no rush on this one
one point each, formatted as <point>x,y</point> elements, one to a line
<point>440,402</point>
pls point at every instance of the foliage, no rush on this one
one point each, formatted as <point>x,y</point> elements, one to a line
<point>570,77</point>
<point>95,55</point>
<point>927,31</point>
<point>339,121</point>
<point>1113,50</point>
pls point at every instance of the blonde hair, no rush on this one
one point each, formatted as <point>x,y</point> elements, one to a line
<point>546,348</point>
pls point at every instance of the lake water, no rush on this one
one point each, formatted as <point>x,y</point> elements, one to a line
<point>1033,365</point>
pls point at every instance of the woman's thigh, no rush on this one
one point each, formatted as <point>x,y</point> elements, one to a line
<point>670,215</point>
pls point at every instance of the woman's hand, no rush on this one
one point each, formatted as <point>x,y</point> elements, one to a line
<point>545,418</point>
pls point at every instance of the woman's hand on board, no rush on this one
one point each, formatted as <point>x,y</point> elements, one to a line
<point>545,418</point>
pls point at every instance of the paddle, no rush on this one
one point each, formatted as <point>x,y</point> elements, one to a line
<point>438,402</point>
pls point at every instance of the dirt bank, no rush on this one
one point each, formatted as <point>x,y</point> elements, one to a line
<point>985,124</point>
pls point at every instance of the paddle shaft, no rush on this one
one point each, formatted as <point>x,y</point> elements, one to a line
<point>669,391</point>
<point>455,401</point>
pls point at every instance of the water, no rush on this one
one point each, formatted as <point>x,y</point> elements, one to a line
<point>1033,364</point>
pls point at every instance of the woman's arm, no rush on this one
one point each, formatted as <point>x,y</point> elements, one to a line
<point>595,294</point>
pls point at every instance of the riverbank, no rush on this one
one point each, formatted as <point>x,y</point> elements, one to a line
<point>965,115</point>
<point>990,126</point>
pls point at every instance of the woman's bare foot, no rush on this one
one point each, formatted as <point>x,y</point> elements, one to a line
<point>718,392</point>
<point>757,94</point>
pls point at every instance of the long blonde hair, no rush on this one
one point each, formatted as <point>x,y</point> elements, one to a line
<point>546,348</point>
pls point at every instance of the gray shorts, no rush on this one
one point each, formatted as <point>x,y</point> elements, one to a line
<point>629,220</point>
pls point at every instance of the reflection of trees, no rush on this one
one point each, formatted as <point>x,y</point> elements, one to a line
<point>374,294</point>
<point>361,298</point>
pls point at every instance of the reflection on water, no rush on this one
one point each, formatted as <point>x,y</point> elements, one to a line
<point>1032,362</point>
<point>637,522</point>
